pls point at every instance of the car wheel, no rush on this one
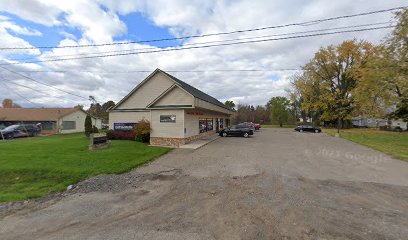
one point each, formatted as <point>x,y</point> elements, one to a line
<point>246,135</point>
<point>10,136</point>
<point>300,130</point>
<point>224,134</point>
<point>316,131</point>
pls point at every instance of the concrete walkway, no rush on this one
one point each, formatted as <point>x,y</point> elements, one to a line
<point>200,142</point>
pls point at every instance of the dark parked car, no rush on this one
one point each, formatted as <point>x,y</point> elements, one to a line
<point>26,130</point>
<point>306,128</point>
<point>237,130</point>
<point>249,125</point>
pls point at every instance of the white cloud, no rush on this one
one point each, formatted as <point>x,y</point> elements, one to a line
<point>68,35</point>
<point>101,24</point>
<point>18,29</point>
<point>39,11</point>
<point>7,39</point>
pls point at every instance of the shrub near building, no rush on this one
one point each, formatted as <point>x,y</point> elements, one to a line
<point>142,131</point>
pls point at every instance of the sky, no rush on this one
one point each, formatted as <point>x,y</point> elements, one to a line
<point>35,23</point>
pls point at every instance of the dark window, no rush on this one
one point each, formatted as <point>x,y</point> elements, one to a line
<point>168,118</point>
<point>47,126</point>
<point>221,123</point>
<point>205,124</point>
<point>68,125</point>
<point>227,122</point>
<point>29,127</point>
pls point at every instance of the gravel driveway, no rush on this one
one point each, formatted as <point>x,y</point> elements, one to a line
<point>278,184</point>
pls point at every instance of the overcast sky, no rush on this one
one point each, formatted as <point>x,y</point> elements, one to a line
<point>30,23</point>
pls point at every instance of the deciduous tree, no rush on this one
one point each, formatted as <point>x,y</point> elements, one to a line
<point>328,80</point>
<point>7,103</point>
<point>230,104</point>
<point>280,108</point>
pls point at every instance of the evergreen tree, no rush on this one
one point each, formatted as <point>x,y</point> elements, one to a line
<point>88,125</point>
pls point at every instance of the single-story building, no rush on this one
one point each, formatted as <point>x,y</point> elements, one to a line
<point>399,123</point>
<point>178,113</point>
<point>369,122</point>
<point>378,122</point>
<point>52,120</point>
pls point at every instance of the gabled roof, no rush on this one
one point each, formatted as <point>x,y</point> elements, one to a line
<point>197,93</point>
<point>35,114</point>
<point>185,86</point>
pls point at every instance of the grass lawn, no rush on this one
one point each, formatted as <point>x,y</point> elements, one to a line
<point>277,126</point>
<point>34,167</point>
<point>393,143</point>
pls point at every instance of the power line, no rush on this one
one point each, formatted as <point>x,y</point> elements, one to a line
<point>33,89</point>
<point>45,84</point>
<point>24,86</point>
<point>173,71</point>
<point>200,43</point>
<point>205,46</point>
<point>15,92</point>
<point>214,34</point>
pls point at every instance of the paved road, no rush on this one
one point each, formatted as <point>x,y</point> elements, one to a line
<point>278,184</point>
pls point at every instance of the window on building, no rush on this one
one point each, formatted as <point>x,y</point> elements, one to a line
<point>47,126</point>
<point>221,123</point>
<point>227,123</point>
<point>68,125</point>
<point>205,124</point>
<point>168,118</point>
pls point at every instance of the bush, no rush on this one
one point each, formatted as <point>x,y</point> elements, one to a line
<point>123,135</point>
<point>109,133</point>
<point>88,125</point>
<point>142,131</point>
<point>95,129</point>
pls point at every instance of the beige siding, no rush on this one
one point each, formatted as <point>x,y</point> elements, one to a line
<point>191,124</point>
<point>147,92</point>
<point>176,96</point>
<point>127,117</point>
<point>192,117</point>
<point>203,104</point>
<point>79,118</point>
<point>97,122</point>
<point>171,130</point>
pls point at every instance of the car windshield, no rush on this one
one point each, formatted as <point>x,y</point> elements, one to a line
<point>12,127</point>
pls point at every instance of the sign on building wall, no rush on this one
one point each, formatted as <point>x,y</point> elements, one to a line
<point>168,118</point>
<point>195,113</point>
<point>123,126</point>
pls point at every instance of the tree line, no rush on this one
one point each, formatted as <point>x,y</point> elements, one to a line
<point>354,78</point>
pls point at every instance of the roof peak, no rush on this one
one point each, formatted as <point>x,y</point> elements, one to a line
<point>196,92</point>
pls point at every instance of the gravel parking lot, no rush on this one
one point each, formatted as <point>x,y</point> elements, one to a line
<point>278,184</point>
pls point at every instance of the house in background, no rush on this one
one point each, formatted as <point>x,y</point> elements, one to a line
<point>52,120</point>
<point>369,122</point>
<point>399,123</point>
<point>378,122</point>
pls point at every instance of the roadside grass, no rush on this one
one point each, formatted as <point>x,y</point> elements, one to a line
<point>35,167</point>
<point>392,143</point>
<point>277,126</point>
